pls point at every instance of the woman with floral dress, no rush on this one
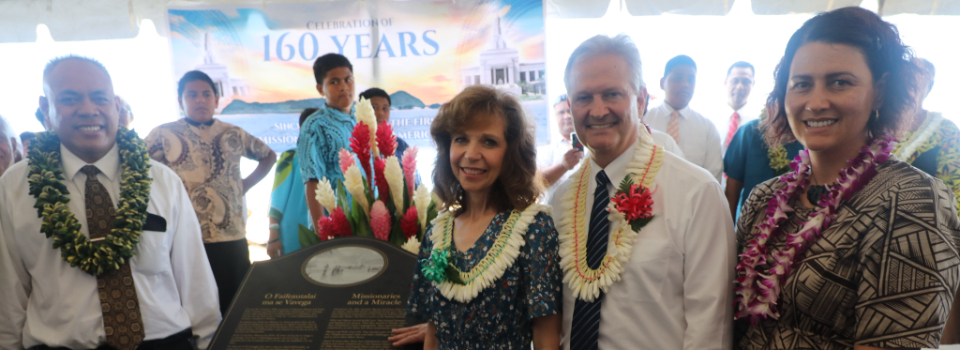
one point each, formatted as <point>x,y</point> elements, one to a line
<point>488,275</point>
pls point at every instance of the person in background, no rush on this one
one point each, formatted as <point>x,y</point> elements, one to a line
<point>26,138</point>
<point>288,206</point>
<point>737,85</point>
<point>381,103</point>
<point>749,160</point>
<point>205,152</point>
<point>852,248</point>
<point>328,130</point>
<point>696,135</point>
<point>8,146</point>
<point>556,161</point>
<point>487,187</point>
<point>669,288</point>
<point>931,143</point>
<point>126,114</point>
<point>160,293</point>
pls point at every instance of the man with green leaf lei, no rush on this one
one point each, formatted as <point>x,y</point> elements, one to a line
<point>109,254</point>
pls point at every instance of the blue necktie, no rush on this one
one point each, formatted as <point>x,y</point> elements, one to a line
<point>585,329</point>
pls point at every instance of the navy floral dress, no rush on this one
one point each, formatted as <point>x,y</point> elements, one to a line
<point>500,317</point>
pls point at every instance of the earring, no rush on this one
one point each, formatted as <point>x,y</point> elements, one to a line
<point>875,115</point>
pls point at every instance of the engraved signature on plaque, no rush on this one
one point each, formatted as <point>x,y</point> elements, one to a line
<point>344,266</point>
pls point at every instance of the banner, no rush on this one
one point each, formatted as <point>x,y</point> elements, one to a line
<point>421,52</point>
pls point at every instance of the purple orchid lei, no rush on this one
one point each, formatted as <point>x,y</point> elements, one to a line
<point>758,290</point>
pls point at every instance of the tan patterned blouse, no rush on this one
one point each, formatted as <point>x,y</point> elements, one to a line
<point>883,274</point>
<point>207,159</point>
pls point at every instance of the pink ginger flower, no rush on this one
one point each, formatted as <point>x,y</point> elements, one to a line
<point>380,220</point>
<point>409,166</point>
<point>346,160</point>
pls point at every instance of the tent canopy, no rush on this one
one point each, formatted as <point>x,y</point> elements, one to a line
<point>70,20</point>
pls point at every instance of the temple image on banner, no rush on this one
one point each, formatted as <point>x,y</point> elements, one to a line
<point>500,66</point>
<point>227,87</point>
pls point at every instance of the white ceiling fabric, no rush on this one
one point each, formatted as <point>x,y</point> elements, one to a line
<point>71,20</point>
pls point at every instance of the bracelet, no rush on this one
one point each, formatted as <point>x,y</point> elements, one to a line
<point>274,226</point>
<point>273,241</point>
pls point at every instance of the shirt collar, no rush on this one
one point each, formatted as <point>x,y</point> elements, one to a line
<point>109,164</point>
<point>339,113</point>
<point>197,124</point>
<point>618,167</point>
<point>683,111</point>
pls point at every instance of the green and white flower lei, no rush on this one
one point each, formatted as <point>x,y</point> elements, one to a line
<point>464,286</point>
<point>46,185</point>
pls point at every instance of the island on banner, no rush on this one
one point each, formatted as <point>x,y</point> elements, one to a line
<point>345,293</point>
<point>422,53</point>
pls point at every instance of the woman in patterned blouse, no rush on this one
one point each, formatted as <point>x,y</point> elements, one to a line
<point>484,177</point>
<point>882,274</point>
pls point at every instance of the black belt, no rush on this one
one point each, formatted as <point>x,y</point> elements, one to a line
<point>182,340</point>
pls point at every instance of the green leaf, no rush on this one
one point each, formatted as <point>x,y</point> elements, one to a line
<point>625,184</point>
<point>307,237</point>
<point>638,224</point>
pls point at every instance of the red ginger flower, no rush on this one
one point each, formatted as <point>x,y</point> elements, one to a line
<point>324,227</point>
<point>636,204</point>
<point>409,223</point>
<point>339,226</point>
<point>381,181</point>
<point>386,140</point>
<point>360,144</point>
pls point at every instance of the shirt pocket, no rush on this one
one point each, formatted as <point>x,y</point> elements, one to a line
<point>646,273</point>
<point>153,253</point>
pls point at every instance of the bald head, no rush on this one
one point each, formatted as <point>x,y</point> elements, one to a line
<point>80,106</point>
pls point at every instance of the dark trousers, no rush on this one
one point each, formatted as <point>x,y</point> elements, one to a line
<point>230,262</point>
<point>182,340</point>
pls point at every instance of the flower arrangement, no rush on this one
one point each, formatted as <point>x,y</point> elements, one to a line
<point>379,197</point>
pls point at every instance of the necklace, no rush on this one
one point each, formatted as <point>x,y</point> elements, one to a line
<point>919,140</point>
<point>61,225</point>
<point>759,279</point>
<point>585,282</point>
<point>463,286</point>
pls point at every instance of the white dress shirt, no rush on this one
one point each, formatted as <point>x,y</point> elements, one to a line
<point>676,291</point>
<point>699,138</point>
<point>46,302</point>
<point>553,154</point>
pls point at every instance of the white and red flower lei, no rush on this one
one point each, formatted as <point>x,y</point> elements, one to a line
<point>759,283</point>
<point>631,207</point>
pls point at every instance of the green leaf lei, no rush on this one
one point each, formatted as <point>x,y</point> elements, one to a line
<point>778,155</point>
<point>46,185</point>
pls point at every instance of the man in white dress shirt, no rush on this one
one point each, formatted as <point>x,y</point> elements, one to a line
<point>696,135</point>
<point>167,289</point>
<point>737,85</point>
<point>674,291</point>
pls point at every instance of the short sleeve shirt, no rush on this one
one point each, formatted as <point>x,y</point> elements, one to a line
<point>207,159</point>
<point>500,317</point>
<point>883,274</point>
<point>748,161</point>
<point>322,136</point>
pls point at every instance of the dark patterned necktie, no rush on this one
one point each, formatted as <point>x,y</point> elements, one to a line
<point>585,329</point>
<point>118,295</point>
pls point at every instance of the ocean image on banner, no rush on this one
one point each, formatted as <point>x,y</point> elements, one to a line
<point>421,53</point>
